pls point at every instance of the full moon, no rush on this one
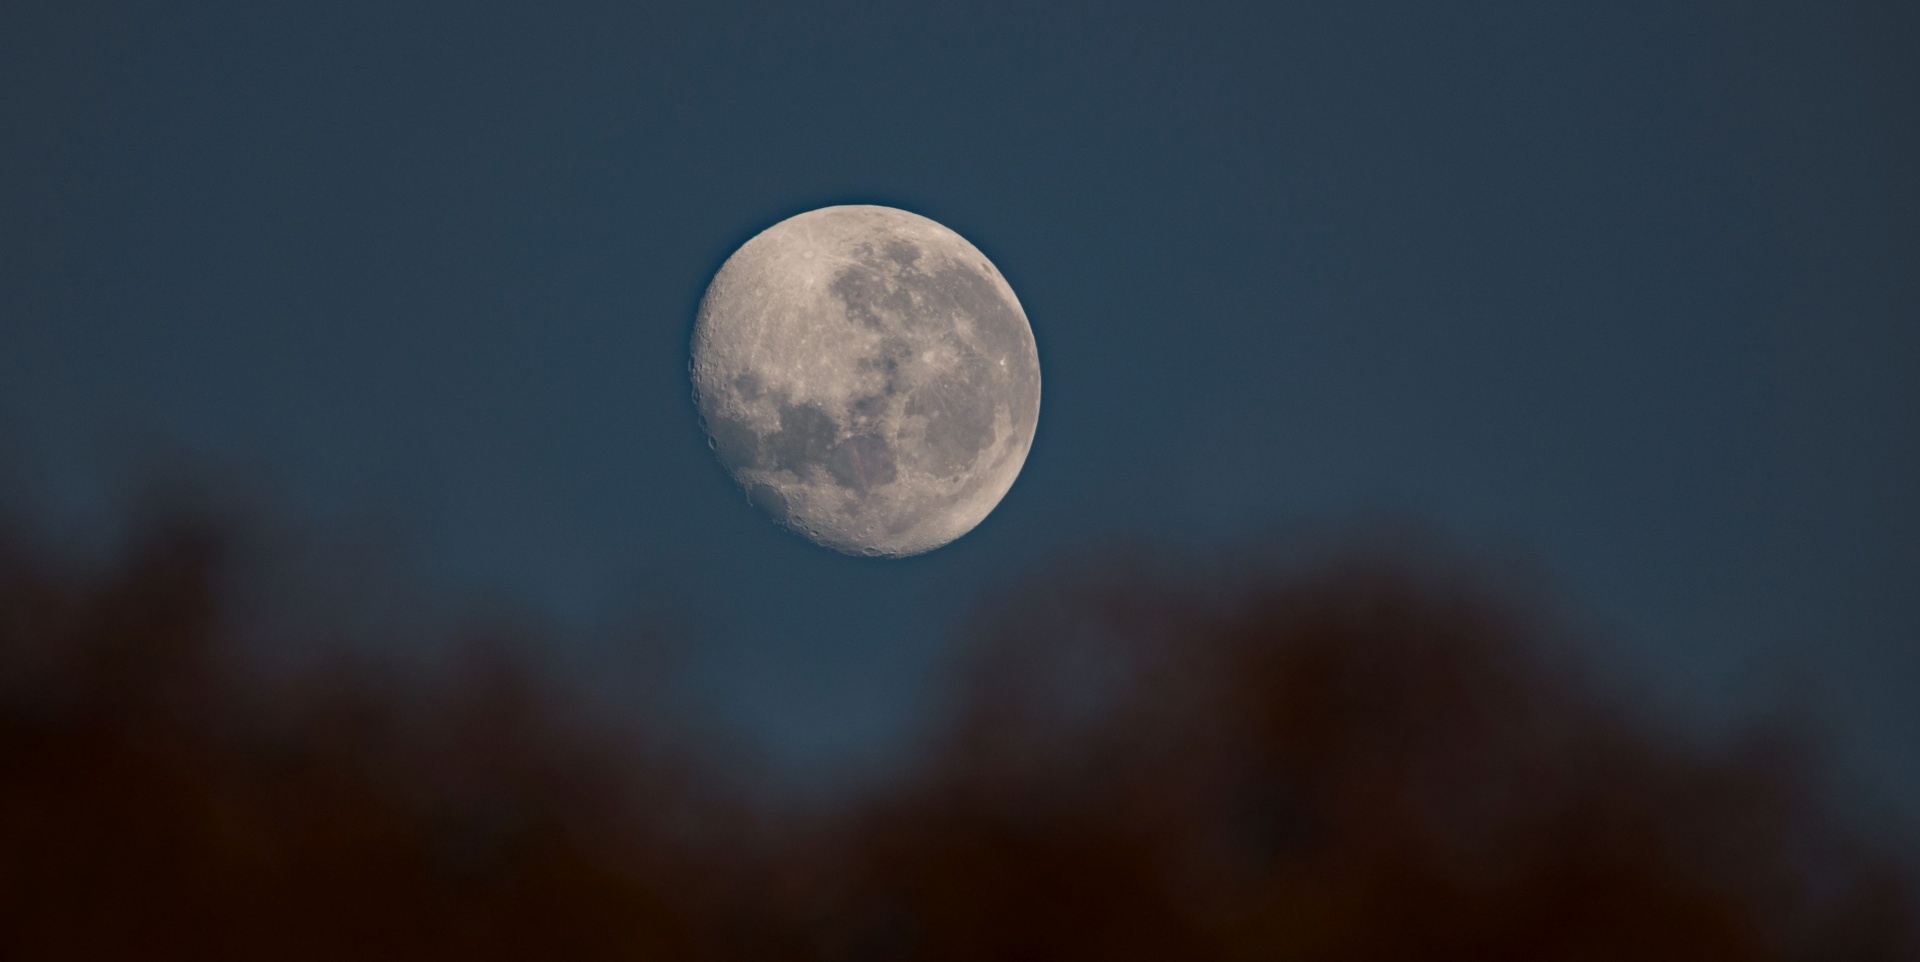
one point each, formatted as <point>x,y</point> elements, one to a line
<point>868,378</point>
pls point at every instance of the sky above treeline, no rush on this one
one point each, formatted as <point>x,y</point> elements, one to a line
<point>1622,296</point>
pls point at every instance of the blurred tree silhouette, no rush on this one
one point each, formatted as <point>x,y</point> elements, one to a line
<point>1366,761</point>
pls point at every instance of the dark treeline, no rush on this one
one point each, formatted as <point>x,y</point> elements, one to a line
<point>1357,762</point>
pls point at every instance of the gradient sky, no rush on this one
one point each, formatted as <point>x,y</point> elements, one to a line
<point>1629,291</point>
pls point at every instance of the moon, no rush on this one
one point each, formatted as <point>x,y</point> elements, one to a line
<point>868,378</point>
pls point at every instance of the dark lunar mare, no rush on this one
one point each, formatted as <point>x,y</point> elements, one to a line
<point>959,407</point>
<point>862,462</point>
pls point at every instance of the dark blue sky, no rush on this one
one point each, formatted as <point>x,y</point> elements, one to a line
<point>1629,290</point>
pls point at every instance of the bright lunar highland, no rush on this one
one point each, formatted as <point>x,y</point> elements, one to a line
<point>868,378</point>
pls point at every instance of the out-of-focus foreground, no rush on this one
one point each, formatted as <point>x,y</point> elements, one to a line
<point>1369,761</point>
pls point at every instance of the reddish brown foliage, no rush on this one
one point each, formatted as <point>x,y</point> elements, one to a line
<point>1363,763</point>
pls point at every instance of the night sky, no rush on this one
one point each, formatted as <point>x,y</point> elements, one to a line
<point>1625,296</point>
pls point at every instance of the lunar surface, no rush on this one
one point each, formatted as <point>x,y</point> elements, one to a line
<point>868,378</point>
